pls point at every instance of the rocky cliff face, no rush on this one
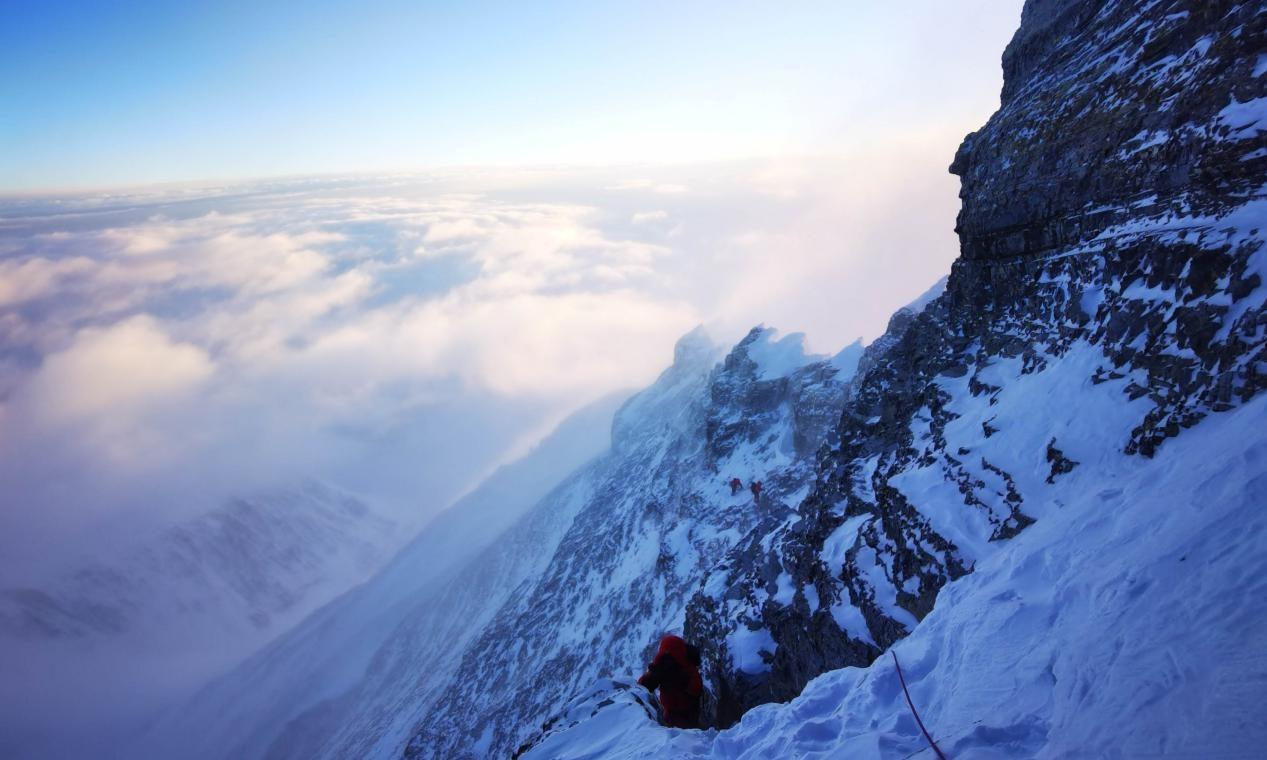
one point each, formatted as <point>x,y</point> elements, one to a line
<point>658,515</point>
<point>1129,136</point>
<point>1109,295</point>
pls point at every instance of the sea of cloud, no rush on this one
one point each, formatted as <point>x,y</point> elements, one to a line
<point>163,349</point>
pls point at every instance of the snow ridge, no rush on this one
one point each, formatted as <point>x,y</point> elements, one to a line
<point>1109,629</point>
<point>661,511</point>
<point>1015,435</point>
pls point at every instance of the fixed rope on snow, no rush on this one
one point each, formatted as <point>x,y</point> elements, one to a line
<point>915,712</point>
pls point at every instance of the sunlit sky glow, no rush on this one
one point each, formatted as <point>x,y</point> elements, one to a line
<point>105,94</point>
<point>616,174</point>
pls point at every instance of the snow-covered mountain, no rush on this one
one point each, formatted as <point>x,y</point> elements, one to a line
<point>1005,488</point>
<point>352,677</point>
<point>143,625</point>
<point>656,515</point>
<point>1039,488</point>
<point>1105,301</point>
<point>239,566</point>
<point>1129,621</point>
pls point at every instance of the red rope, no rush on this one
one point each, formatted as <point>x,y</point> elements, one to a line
<point>914,712</point>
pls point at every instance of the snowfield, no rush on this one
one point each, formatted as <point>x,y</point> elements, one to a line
<point>1129,622</point>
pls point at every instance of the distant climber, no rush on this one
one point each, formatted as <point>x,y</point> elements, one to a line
<point>735,485</point>
<point>675,672</point>
<point>756,491</point>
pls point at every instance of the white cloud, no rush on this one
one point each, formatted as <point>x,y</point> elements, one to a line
<point>640,183</point>
<point>458,228</point>
<point>644,183</point>
<point>109,376</point>
<point>212,251</point>
<point>106,403</point>
<point>32,278</point>
<point>565,346</point>
<point>642,217</point>
<point>214,344</point>
<point>115,370</point>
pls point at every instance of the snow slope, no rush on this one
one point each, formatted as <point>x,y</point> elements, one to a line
<point>1107,306</point>
<point>372,656</point>
<point>236,567</point>
<point>660,513</point>
<point>610,553</point>
<point>1130,621</point>
<point>126,632</point>
<point>1101,306</point>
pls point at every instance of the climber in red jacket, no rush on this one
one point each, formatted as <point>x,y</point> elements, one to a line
<point>675,672</point>
<point>735,485</point>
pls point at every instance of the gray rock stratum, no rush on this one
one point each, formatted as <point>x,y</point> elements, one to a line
<point>1112,243</point>
<point>658,512</point>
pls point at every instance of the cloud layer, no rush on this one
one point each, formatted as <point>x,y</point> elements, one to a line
<point>400,335</point>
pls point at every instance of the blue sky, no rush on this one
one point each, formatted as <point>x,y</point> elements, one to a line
<point>102,94</point>
<point>624,172</point>
<point>619,173</point>
<point>534,200</point>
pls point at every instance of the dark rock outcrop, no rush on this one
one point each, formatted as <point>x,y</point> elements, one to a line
<point>1111,210</point>
<point>656,515</point>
